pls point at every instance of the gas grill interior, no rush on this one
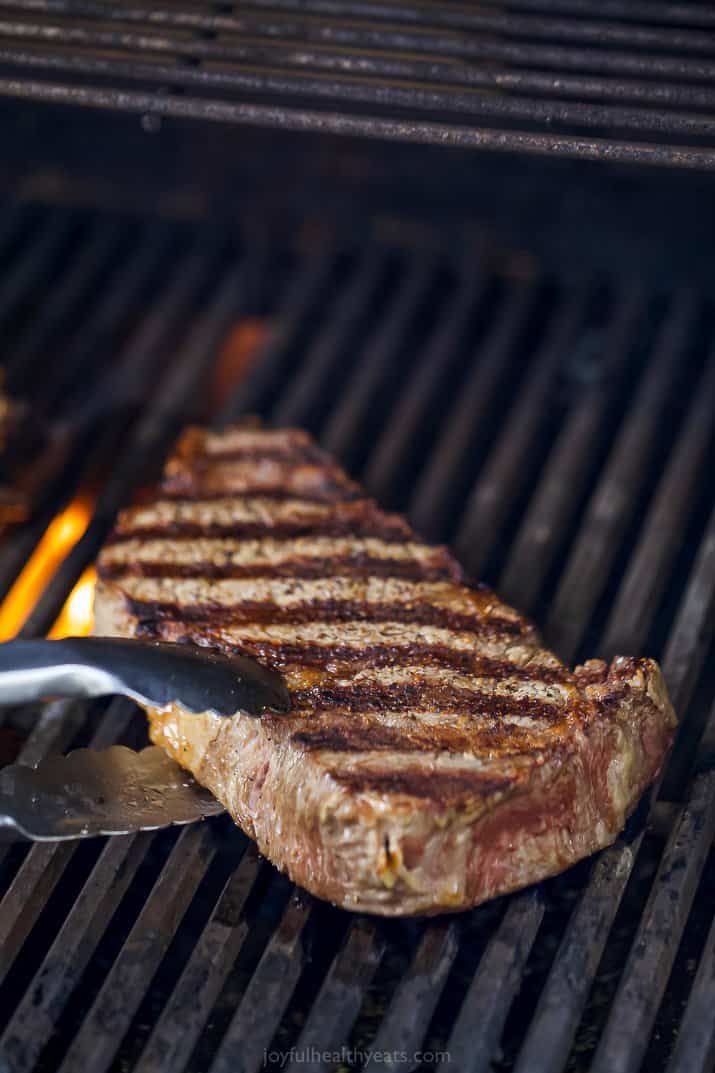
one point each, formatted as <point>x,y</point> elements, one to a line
<point>516,352</point>
<point>559,432</point>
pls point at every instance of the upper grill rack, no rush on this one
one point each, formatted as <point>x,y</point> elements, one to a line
<point>569,459</point>
<point>633,83</point>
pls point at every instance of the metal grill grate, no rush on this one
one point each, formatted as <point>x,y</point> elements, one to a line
<point>615,81</point>
<point>562,435</point>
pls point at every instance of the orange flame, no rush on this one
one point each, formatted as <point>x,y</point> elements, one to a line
<point>75,618</point>
<point>58,540</point>
<point>238,351</point>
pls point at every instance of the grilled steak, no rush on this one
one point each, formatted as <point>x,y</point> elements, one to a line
<point>436,754</point>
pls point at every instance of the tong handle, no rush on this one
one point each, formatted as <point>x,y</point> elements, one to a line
<point>154,674</point>
<point>36,670</point>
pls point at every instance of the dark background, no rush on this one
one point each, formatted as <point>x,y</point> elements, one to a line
<point>573,215</point>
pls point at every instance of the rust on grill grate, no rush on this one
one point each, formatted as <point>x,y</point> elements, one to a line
<point>560,434</point>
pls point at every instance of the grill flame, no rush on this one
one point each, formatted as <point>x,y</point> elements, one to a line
<point>75,618</point>
<point>58,540</point>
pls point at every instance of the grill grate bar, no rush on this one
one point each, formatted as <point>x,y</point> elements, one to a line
<point>417,395</point>
<point>197,989</point>
<point>614,500</point>
<point>124,986</point>
<point>145,349</point>
<point>342,430</point>
<point>508,21</point>
<point>69,443</point>
<point>99,330</point>
<point>469,100</point>
<point>554,503</point>
<point>97,336</point>
<point>479,1024</point>
<point>264,1001</point>
<point>33,1021</point>
<point>45,862</point>
<point>693,629</point>
<point>625,1037</point>
<point>340,30</point>
<point>427,15</point>
<point>635,10</point>
<point>663,529</point>
<point>418,993</point>
<point>507,468</point>
<point>32,886</point>
<point>437,488</point>
<point>156,429</point>
<point>695,1044</point>
<point>464,81</point>
<point>278,117</point>
<point>54,729</point>
<point>269,362</point>
<point>547,1044</point>
<point>550,1034</point>
<point>33,263</point>
<point>67,958</point>
<point>56,724</point>
<point>340,998</point>
<point>298,402</point>
<point>61,304</point>
<point>403,72</point>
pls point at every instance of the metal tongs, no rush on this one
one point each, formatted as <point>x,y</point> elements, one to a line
<point>118,790</point>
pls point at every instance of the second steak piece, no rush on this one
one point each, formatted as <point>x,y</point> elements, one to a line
<point>436,754</point>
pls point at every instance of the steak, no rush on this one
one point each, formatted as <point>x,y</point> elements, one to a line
<point>436,755</point>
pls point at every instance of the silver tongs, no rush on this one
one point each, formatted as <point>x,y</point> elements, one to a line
<point>118,790</point>
<point>152,673</point>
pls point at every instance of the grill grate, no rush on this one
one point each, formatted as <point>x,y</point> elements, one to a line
<point>561,435</point>
<point>623,82</point>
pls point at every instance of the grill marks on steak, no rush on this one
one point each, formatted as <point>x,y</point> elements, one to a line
<point>300,557</point>
<point>345,591</point>
<point>413,688</point>
<point>252,517</point>
<point>426,715</point>
<point>284,468</point>
<point>340,657</point>
<point>360,643</point>
<point>356,736</point>
<point>339,599</point>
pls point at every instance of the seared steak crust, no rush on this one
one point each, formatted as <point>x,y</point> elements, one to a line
<point>435,755</point>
